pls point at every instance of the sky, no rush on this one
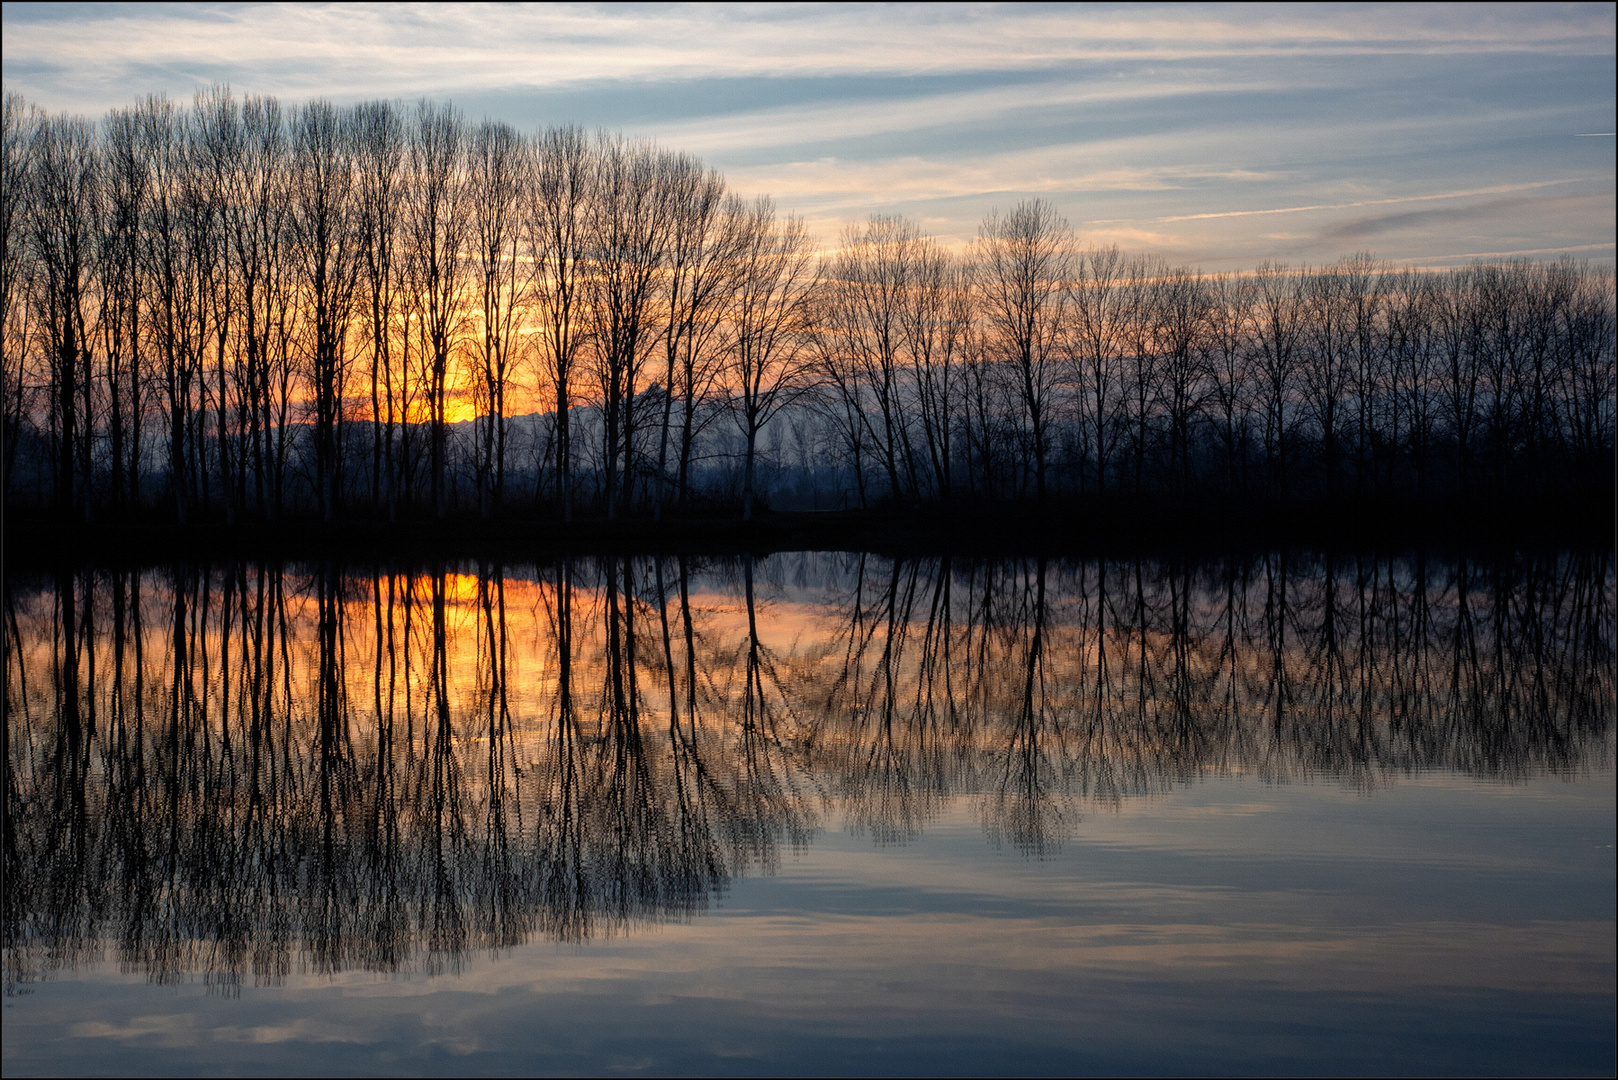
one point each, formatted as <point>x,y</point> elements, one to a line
<point>1218,137</point>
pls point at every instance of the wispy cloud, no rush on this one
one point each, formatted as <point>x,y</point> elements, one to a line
<point>1043,102</point>
<point>1499,189</point>
<point>352,49</point>
<point>1360,228</point>
<point>1178,128</point>
<point>1575,249</point>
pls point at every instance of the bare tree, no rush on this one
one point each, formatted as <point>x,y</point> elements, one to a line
<point>985,402</point>
<point>1408,350</point>
<point>1364,284</point>
<point>1143,299</point>
<point>628,238</point>
<point>379,148</point>
<point>1587,382</point>
<point>175,242</point>
<point>700,248</point>
<point>17,268</point>
<point>938,325</point>
<point>1324,364</point>
<point>499,171</point>
<point>217,148</point>
<point>865,322</point>
<point>1100,316</point>
<point>556,238</point>
<point>64,207</point>
<point>1500,299</point>
<point>841,397</point>
<point>1459,372</point>
<point>126,181</point>
<point>1278,326</point>
<point>767,334</point>
<point>327,251</point>
<point>260,245</point>
<point>437,227</point>
<point>1183,316</point>
<point>1228,353</point>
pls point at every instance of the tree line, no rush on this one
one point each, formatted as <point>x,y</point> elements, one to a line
<point>249,769</point>
<point>246,310</point>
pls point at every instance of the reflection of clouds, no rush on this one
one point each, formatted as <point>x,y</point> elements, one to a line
<point>1118,964</point>
<point>169,1030</point>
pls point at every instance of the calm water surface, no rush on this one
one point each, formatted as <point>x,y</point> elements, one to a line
<point>813,813</point>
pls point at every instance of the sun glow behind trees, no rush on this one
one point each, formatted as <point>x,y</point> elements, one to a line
<point>242,309</point>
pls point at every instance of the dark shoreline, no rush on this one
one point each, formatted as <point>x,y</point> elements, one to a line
<point>962,529</point>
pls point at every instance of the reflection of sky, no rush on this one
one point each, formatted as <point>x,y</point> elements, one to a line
<point>1454,927</point>
<point>1217,136</point>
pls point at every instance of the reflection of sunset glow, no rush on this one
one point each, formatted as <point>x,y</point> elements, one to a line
<point>581,716</point>
<point>820,651</point>
<point>458,588</point>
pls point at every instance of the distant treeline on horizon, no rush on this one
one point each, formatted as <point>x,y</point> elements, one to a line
<point>247,311</point>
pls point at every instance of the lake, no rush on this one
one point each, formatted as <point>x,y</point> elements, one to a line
<point>814,813</point>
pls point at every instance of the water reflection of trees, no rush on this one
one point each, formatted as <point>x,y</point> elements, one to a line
<point>250,769</point>
<point>1027,683</point>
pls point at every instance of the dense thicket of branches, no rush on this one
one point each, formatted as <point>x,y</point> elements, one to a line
<point>238,310</point>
